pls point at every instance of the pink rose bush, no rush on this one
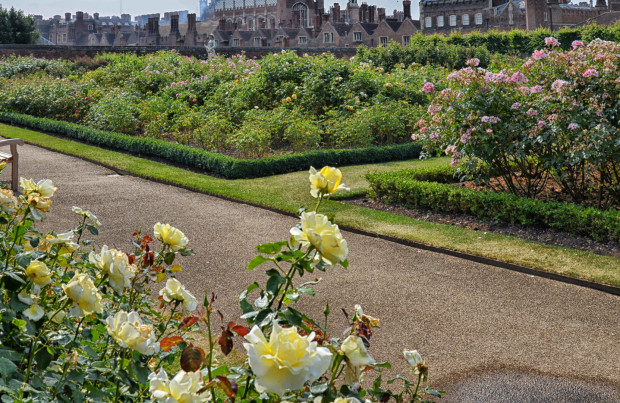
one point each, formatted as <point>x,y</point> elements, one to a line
<point>564,127</point>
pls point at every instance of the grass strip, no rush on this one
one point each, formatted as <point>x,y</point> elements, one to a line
<point>289,191</point>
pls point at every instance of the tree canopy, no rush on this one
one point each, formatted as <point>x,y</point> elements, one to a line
<point>15,27</point>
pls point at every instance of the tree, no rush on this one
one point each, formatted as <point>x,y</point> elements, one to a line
<point>15,27</point>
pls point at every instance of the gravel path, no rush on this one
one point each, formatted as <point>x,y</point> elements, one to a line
<point>485,332</point>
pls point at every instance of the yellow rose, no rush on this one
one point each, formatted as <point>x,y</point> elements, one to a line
<point>86,214</point>
<point>174,291</point>
<point>170,236</point>
<point>34,313</point>
<point>287,361</point>
<point>8,202</point>
<point>183,388</point>
<point>39,205</point>
<point>44,188</point>
<point>66,240</point>
<point>115,264</point>
<point>357,358</point>
<point>325,237</point>
<point>85,296</point>
<point>39,273</point>
<point>326,181</point>
<point>129,331</point>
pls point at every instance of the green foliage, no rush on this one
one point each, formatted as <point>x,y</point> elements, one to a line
<point>228,167</point>
<point>15,66</point>
<point>404,188</point>
<point>15,27</point>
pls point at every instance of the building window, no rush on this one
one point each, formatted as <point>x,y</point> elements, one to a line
<point>300,14</point>
<point>406,40</point>
<point>479,19</point>
<point>440,21</point>
<point>428,22</point>
<point>328,37</point>
<point>257,42</point>
<point>465,19</point>
<point>251,25</point>
<point>546,16</point>
<point>90,27</point>
<point>235,41</point>
<point>383,40</point>
<point>357,36</point>
<point>303,40</point>
<point>453,20</point>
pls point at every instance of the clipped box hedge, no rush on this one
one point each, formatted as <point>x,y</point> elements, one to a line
<point>405,188</point>
<point>214,163</point>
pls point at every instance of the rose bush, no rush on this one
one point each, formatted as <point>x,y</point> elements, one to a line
<point>78,325</point>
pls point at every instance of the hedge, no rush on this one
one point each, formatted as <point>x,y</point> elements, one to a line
<point>213,163</point>
<point>405,189</point>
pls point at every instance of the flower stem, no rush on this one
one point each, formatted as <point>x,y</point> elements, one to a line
<point>415,392</point>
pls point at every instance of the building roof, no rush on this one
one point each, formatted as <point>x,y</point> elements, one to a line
<point>341,28</point>
<point>604,19</point>
<point>368,27</point>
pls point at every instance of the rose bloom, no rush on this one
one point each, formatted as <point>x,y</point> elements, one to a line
<point>473,62</point>
<point>130,332</point>
<point>34,313</point>
<point>115,264</point>
<point>590,73</point>
<point>518,78</point>
<point>327,181</point>
<point>8,202</point>
<point>539,54</point>
<point>44,188</point>
<point>573,126</point>
<point>39,205</point>
<point>170,236</point>
<point>541,123</point>
<point>536,89</point>
<point>39,273</point>
<point>325,237</point>
<point>415,360</point>
<point>174,291</point>
<point>428,88</point>
<point>551,41</point>
<point>287,361</point>
<point>357,358</point>
<point>516,106</point>
<point>87,214</point>
<point>85,296</point>
<point>577,44</point>
<point>183,388</point>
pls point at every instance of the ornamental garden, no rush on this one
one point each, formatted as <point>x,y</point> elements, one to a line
<point>532,139</point>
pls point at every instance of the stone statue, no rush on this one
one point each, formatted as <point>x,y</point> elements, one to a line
<point>210,46</point>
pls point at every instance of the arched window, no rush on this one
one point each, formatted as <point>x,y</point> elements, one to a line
<point>300,14</point>
<point>251,24</point>
<point>272,23</point>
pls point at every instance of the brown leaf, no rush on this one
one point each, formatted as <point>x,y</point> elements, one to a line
<point>226,341</point>
<point>230,387</point>
<point>168,342</point>
<point>191,359</point>
<point>240,330</point>
<point>187,322</point>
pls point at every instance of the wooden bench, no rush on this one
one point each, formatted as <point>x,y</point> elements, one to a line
<point>13,158</point>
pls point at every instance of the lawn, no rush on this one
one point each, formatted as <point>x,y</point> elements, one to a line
<point>284,193</point>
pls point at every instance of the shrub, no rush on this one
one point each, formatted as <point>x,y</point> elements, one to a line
<point>117,111</point>
<point>401,188</point>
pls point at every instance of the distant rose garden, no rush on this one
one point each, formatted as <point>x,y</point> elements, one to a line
<point>81,319</point>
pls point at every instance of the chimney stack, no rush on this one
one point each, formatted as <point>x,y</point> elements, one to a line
<point>174,24</point>
<point>221,26</point>
<point>191,24</point>
<point>336,12</point>
<point>381,13</point>
<point>67,17</point>
<point>371,14</point>
<point>364,12</point>
<point>79,16</point>
<point>406,9</point>
<point>96,16</point>
<point>325,18</point>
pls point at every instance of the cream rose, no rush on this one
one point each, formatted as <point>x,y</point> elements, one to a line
<point>174,291</point>
<point>85,296</point>
<point>8,202</point>
<point>65,239</point>
<point>34,313</point>
<point>115,264</point>
<point>357,358</point>
<point>39,206</point>
<point>287,361</point>
<point>325,237</point>
<point>170,236</point>
<point>129,331</point>
<point>183,388</point>
<point>326,181</point>
<point>44,188</point>
<point>414,359</point>
<point>39,273</point>
<point>87,214</point>
<point>368,320</point>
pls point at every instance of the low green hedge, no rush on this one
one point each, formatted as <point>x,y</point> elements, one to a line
<point>404,188</point>
<point>228,167</point>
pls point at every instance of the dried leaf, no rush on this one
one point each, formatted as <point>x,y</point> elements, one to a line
<point>187,322</point>
<point>226,341</point>
<point>168,342</point>
<point>192,358</point>
<point>230,387</point>
<point>239,329</point>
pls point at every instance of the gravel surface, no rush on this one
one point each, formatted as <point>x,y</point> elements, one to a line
<point>459,314</point>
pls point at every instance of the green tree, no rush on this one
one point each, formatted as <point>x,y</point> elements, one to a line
<point>15,27</point>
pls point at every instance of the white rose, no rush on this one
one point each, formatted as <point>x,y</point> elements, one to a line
<point>325,237</point>
<point>8,202</point>
<point>174,291</point>
<point>115,264</point>
<point>412,357</point>
<point>45,187</point>
<point>85,296</point>
<point>183,388</point>
<point>287,361</point>
<point>129,331</point>
<point>357,358</point>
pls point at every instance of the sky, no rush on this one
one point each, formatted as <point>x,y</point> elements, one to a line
<point>49,8</point>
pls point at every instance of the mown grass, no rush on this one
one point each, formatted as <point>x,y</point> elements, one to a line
<point>290,191</point>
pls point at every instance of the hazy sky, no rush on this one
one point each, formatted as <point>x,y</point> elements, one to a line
<point>49,8</point>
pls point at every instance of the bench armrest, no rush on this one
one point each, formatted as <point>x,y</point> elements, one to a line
<point>9,142</point>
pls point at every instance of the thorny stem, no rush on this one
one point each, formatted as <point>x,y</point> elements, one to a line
<point>415,392</point>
